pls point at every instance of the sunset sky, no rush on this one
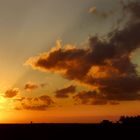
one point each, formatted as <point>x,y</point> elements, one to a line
<point>69,60</point>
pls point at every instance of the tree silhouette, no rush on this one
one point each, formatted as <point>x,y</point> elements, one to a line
<point>106,123</point>
<point>129,120</point>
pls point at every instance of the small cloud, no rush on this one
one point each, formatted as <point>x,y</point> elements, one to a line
<point>65,92</point>
<point>19,99</point>
<point>46,99</point>
<point>34,107</point>
<point>114,103</point>
<point>11,93</point>
<point>30,86</point>
<point>42,85</point>
<point>34,103</point>
<point>103,14</point>
<point>92,9</point>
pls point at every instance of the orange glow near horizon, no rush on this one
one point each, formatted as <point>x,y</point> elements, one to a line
<point>69,114</point>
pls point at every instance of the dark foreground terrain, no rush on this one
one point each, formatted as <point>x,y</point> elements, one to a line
<point>69,131</point>
<point>125,128</point>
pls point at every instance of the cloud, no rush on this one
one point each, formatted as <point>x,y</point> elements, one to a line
<point>103,14</point>
<point>34,107</point>
<point>105,64</point>
<point>114,103</point>
<point>92,9</point>
<point>30,86</point>
<point>46,99</point>
<point>42,85</point>
<point>10,93</point>
<point>65,92</point>
<point>90,98</point>
<point>34,103</point>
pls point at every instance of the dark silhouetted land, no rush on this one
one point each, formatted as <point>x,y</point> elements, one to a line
<point>125,127</point>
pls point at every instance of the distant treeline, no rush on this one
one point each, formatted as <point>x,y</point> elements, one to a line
<point>124,120</point>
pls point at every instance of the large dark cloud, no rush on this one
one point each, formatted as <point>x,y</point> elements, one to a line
<point>105,63</point>
<point>65,92</point>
